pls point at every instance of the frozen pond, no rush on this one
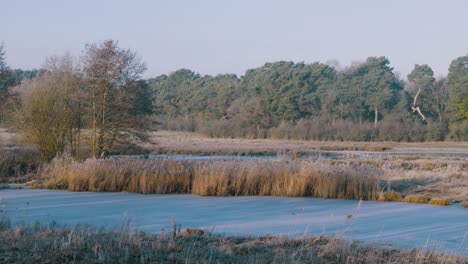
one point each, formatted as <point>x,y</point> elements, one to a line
<point>407,225</point>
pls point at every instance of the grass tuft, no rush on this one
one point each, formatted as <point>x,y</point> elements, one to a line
<point>389,196</point>
<point>415,199</point>
<point>439,201</point>
<point>464,204</point>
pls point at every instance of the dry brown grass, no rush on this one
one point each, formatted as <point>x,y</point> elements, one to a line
<point>219,178</point>
<point>464,204</point>
<point>49,243</point>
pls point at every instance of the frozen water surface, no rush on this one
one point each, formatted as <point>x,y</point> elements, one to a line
<point>406,225</point>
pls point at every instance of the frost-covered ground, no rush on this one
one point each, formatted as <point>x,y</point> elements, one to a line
<point>407,225</point>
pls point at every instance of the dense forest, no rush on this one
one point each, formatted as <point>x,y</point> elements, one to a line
<point>365,101</point>
<point>106,94</point>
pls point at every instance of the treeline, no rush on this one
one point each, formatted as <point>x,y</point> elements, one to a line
<point>366,101</point>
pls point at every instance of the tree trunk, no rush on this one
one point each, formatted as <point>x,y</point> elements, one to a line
<point>342,110</point>
<point>376,117</point>
<point>94,122</point>
<point>416,108</point>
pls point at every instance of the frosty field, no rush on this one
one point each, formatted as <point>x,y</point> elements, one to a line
<point>405,225</point>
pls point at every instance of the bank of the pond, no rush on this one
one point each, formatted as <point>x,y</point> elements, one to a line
<point>405,225</point>
<point>48,243</point>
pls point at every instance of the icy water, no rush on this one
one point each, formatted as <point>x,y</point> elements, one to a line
<point>406,225</point>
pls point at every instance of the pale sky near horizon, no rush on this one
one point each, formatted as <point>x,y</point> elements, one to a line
<point>216,36</point>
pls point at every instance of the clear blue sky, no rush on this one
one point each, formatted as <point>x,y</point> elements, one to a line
<point>216,36</point>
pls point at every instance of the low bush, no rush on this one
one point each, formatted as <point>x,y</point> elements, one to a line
<point>464,204</point>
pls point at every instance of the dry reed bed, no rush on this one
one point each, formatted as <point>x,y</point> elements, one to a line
<point>85,244</point>
<point>218,178</point>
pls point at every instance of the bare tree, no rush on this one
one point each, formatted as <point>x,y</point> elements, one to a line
<point>112,76</point>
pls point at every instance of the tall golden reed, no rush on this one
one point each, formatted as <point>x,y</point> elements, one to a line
<point>215,177</point>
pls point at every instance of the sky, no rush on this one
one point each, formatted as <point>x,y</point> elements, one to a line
<point>221,36</point>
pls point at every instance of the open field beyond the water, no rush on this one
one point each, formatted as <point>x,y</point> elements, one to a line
<point>193,143</point>
<point>172,142</point>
